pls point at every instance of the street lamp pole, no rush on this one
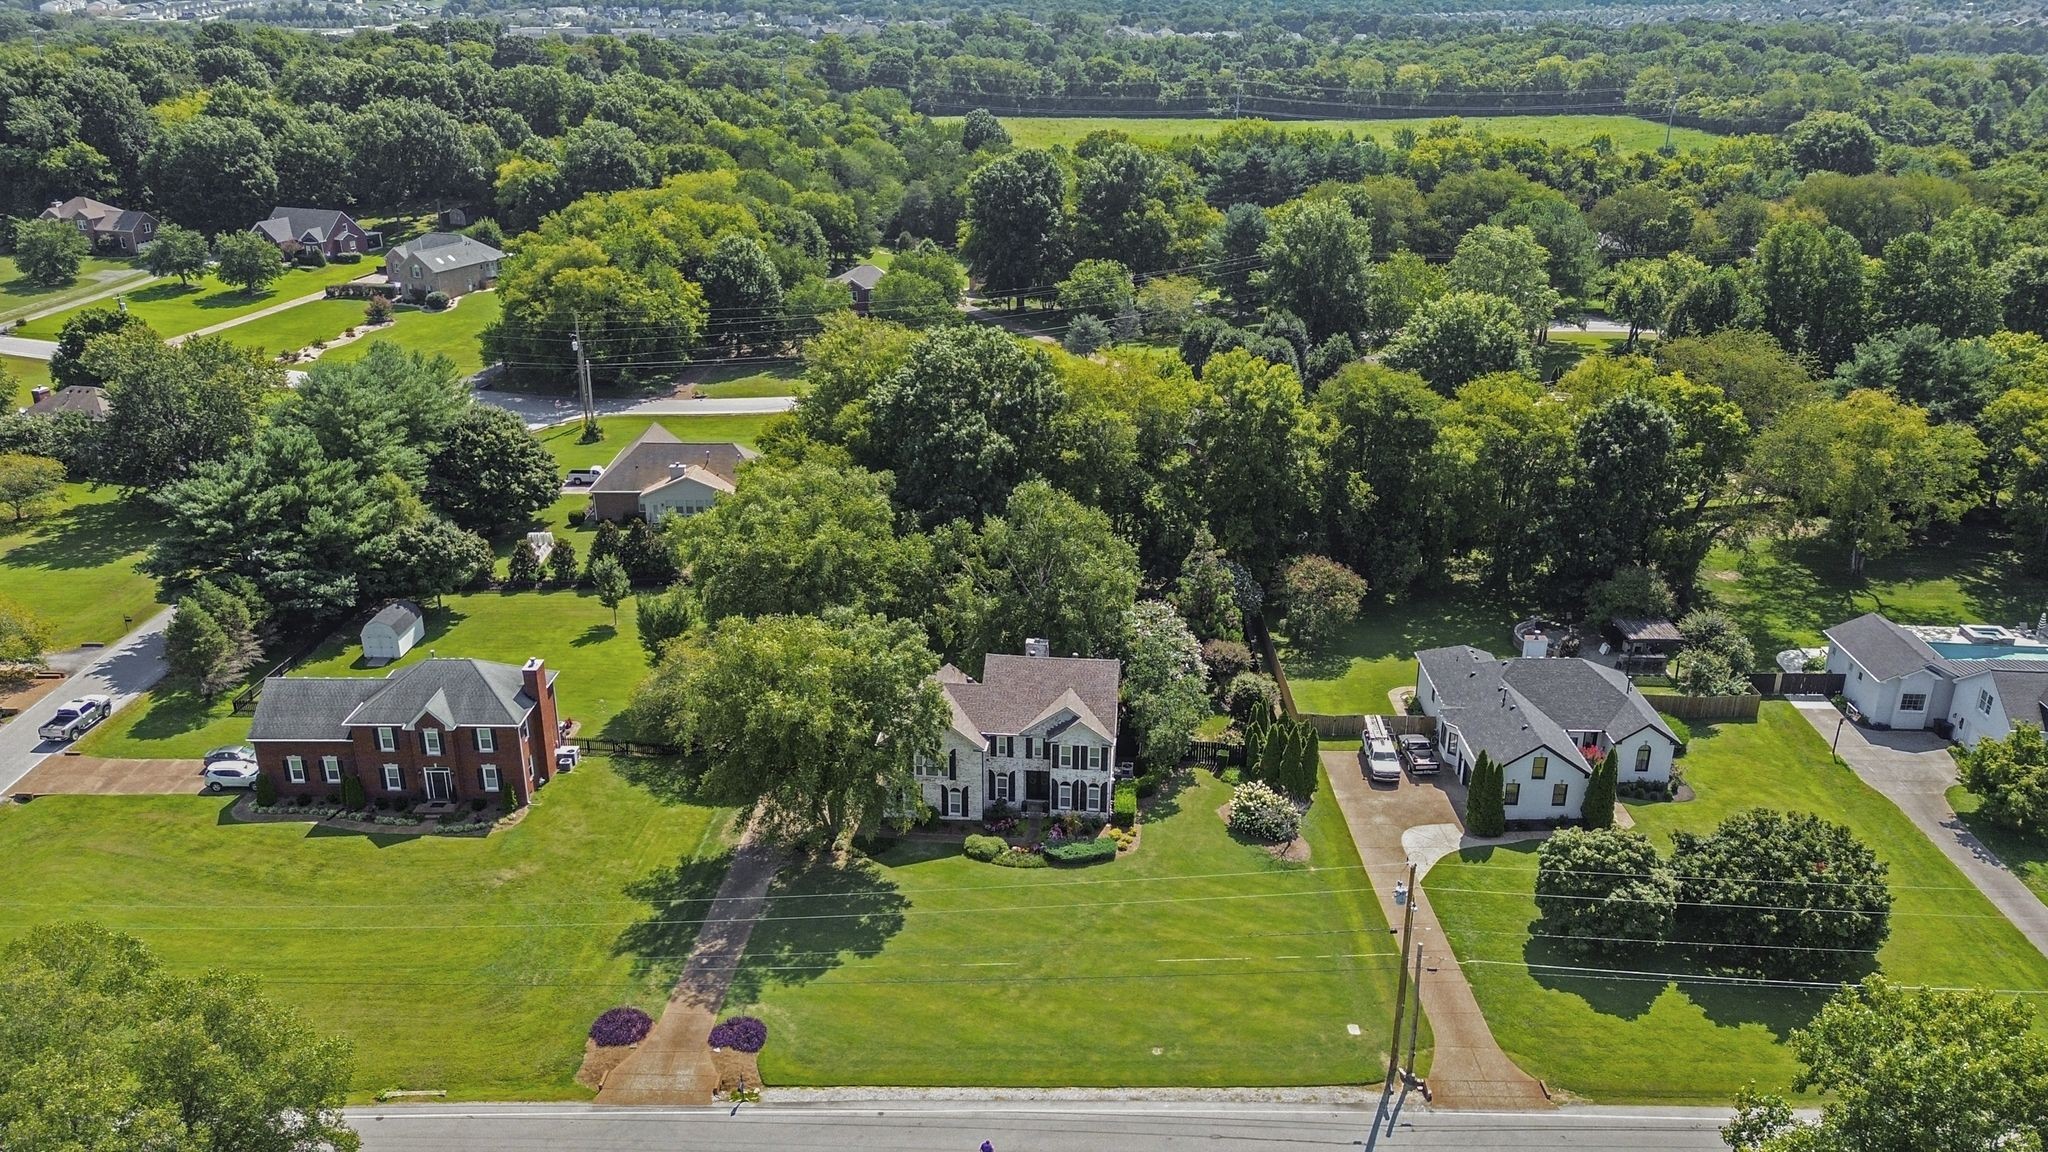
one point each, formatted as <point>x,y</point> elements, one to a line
<point>1835,749</point>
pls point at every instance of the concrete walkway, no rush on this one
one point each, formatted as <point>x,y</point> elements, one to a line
<point>127,669</point>
<point>120,283</point>
<point>1913,770</point>
<point>673,1066</point>
<point>1468,1069</point>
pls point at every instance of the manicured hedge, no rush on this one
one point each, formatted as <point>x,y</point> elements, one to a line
<point>1123,806</point>
<point>984,848</point>
<point>1081,851</point>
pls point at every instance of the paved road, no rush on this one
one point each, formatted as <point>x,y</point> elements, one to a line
<point>1914,770</point>
<point>543,411</point>
<point>23,346</point>
<point>1126,1126</point>
<point>128,668</point>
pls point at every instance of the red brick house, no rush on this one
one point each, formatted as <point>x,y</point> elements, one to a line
<point>330,231</point>
<point>439,730</point>
<point>105,227</point>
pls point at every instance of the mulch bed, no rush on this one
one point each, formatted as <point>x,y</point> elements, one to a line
<point>599,1062</point>
<point>244,812</point>
<point>736,1069</point>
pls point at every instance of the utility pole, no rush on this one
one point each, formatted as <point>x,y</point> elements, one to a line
<point>1669,118</point>
<point>1401,988</point>
<point>1415,1022</point>
<point>583,383</point>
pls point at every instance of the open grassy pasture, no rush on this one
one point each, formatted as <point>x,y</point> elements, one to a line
<point>75,566</point>
<point>454,332</point>
<point>1197,961</point>
<point>469,965</point>
<point>174,309</point>
<point>1617,1038</point>
<point>20,296</point>
<point>1785,592</point>
<point>1377,654</point>
<point>1628,132</point>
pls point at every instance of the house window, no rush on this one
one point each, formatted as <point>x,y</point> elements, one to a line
<point>296,767</point>
<point>1984,701</point>
<point>1450,742</point>
<point>1512,794</point>
<point>1002,785</point>
<point>1066,755</point>
<point>330,767</point>
<point>1095,758</point>
<point>1557,792</point>
<point>430,739</point>
<point>1539,768</point>
<point>1066,794</point>
<point>1094,797</point>
<point>490,777</point>
<point>394,778</point>
<point>486,740</point>
<point>386,741</point>
<point>1643,758</point>
<point>1913,702</point>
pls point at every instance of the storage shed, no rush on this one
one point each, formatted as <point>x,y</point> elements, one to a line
<point>391,633</point>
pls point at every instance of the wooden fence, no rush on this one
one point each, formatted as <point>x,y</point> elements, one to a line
<point>1352,727</point>
<point>1798,683</point>
<point>1708,707</point>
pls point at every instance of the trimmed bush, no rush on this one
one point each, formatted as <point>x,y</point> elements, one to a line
<point>984,848</point>
<point>1263,814</point>
<point>741,1034</point>
<point>1094,851</point>
<point>1679,728</point>
<point>1123,804</point>
<point>619,1027</point>
<point>266,791</point>
<point>1019,858</point>
<point>436,301</point>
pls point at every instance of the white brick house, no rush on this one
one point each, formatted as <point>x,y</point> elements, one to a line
<point>1037,732</point>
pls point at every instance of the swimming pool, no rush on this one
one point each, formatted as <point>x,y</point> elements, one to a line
<point>1957,650</point>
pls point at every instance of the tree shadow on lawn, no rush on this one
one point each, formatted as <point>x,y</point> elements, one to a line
<point>821,914</point>
<point>174,709</point>
<point>594,634</point>
<point>86,536</point>
<point>679,899</point>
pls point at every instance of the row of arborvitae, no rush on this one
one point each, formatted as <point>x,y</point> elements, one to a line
<point>1486,803</point>
<point>1283,752</point>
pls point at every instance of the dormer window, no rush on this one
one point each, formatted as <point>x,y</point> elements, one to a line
<point>430,739</point>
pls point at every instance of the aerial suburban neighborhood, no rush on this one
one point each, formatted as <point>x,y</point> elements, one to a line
<point>946,576</point>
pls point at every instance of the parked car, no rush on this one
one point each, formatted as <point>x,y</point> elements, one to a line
<point>1419,754</point>
<point>230,774</point>
<point>232,752</point>
<point>76,717</point>
<point>585,477</point>
<point>1382,761</point>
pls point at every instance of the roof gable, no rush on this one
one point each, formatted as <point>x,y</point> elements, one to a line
<point>1018,693</point>
<point>1509,708</point>
<point>1884,649</point>
<point>645,464</point>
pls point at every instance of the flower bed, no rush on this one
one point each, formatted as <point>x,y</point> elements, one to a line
<point>620,1026</point>
<point>1261,813</point>
<point>740,1033</point>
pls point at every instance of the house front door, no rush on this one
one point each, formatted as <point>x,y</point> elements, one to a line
<point>440,784</point>
<point>1037,786</point>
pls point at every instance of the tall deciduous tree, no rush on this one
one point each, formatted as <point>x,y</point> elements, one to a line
<point>818,721</point>
<point>177,251</point>
<point>1599,887</point>
<point>1258,457</point>
<point>1235,246</point>
<point>489,475</point>
<point>1811,285</point>
<point>216,170</point>
<point>247,261</point>
<point>1164,683</point>
<point>1459,337</point>
<point>1321,598</point>
<point>2011,775</point>
<point>1764,860</point>
<point>1318,266</point>
<point>1937,282</point>
<point>27,483</point>
<point>49,252</point>
<point>1384,464</point>
<point>742,293</point>
<point>1509,263</point>
<point>172,409</point>
<point>1016,223</point>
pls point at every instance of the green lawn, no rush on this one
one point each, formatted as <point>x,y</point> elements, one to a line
<point>453,332</point>
<point>1197,961</point>
<point>1628,132</point>
<point>1785,592</point>
<point>75,567</point>
<point>296,328</point>
<point>174,309</point>
<point>566,440</point>
<point>20,296</point>
<point>600,665</point>
<point>1377,654</point>
<point>1619,1040</point>
<point>746,381</point>
<point>24,373</point>
<point>2025,854</point>
<point>469,965</point>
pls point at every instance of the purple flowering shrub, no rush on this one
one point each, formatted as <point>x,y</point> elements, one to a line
<point>620,1027</point>
<point>741,1034</point>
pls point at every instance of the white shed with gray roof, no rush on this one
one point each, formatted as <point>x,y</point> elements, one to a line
<point>392,632</point>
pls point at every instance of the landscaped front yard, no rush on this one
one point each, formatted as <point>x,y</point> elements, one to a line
<point>1615,1036</point>
<point>296,328</point>
<point>75,566</point>
<point>1199,960</point>
<point>174,309</point>
<point>469,965</point>
<point>453,332</point>
<point>1377,654</point>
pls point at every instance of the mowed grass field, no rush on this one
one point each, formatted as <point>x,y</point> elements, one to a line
<point>23,374</point>
<point>1198,960</point>
<point>1629,133</point>
<point>1619,1036</point>
<point>295,328</point>
<point>20,296</point>
<point>473,966</point>
<point>174,309</point>
<point>75,566</point>
<point>454,332</point>
<point>1377,654</point>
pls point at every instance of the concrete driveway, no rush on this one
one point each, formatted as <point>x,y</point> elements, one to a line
<point>1468,1068</point>
<point>124,670</point>
<point>1914,771</point>
<point>95,776</point>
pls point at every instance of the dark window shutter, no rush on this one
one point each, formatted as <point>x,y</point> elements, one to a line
<point>988,792</point>
<point>1014,792</point>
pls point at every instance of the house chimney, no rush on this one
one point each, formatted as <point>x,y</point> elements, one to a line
<point>38,395</point>
<point>1037,646</point>
<point>676,469</point>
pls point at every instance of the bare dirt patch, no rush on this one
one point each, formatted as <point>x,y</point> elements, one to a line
<point>599,1062</point>
<point>736,1070</point>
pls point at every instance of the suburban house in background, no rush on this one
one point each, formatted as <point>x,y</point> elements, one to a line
<point>1036,732</point>
<point>107,228</point>
<point>436,731</point>
<point>658,475</point>
<point>1545,720</point>
<point>74,398</point>
<point>861,278</point>
<point>393,631</point>
<point>326,230</point>
<point>444,262</point>
<point>1968,682</point>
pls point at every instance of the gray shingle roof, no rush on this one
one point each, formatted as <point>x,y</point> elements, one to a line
<point>644,463</point>
<point>458,693</point>
<point>315,225</point>
<point>1016,692</point>
<point>443,251</point>
<point>74,398</point>
<point>1508,708</point>
<point>309,707</point>
<point>1884,649</point>
<point>399,615</point>
<point>864,276</point>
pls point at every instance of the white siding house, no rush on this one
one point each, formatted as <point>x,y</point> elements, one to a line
<point>1037,732</point>
<point>1896,679</point>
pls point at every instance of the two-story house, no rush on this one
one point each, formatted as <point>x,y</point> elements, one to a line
<point>439,730</point>
<point>445,262</point>
<point>1546,721</point>
<point>1036,732</point>
<point>105,227</point>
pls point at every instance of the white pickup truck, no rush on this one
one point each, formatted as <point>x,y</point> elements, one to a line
<point>75,717</point>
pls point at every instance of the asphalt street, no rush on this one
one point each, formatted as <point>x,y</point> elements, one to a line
<point>124,670</point>
<point>1127,1126</point>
